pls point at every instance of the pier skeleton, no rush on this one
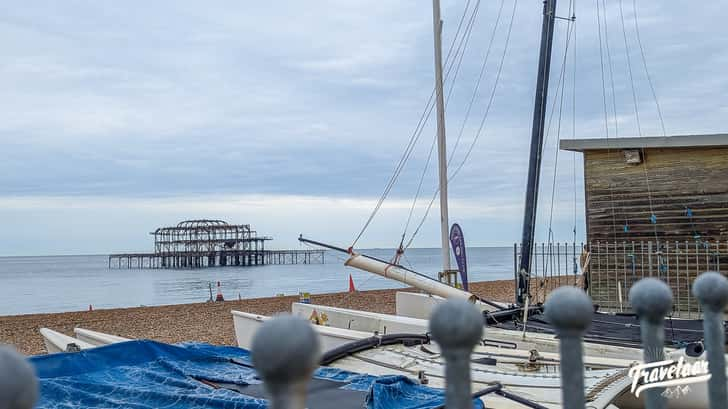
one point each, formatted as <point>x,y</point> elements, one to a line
<point>211,243</point>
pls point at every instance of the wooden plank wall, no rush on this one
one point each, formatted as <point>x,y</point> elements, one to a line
<point>666,184</point>
<point>617,193</point>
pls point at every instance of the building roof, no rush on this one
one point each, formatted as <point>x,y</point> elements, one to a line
<point>678,141</point>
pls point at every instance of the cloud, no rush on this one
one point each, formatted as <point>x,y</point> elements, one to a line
<point>118,103</point>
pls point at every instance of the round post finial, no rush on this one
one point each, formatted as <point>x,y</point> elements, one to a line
<point>651,299</point>
<point>18,383</point>
<point>569,309</point>
<point>711,289</point>
<point>456,324</point>
<point>285,352</point>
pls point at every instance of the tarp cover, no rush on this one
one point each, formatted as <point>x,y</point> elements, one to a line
<point>148,374</point>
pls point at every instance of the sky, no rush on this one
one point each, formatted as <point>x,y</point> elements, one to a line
<point>120,117</point>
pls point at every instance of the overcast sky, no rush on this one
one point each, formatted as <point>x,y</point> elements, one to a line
<point>119,117</point>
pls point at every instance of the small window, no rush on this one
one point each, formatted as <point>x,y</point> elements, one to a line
<point>632,156</point>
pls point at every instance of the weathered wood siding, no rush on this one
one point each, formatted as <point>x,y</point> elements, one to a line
<point>678,179</point>
<point>667,184</point>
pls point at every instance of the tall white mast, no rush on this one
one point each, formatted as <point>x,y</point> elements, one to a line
<point>441,144</point>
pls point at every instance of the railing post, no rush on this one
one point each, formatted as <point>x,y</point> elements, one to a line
<point>285,352</point>
<point>457,326</point>
<point>18,384</point>
<point>711,289</point>
<point>652,300</point>
<point>570,311</point>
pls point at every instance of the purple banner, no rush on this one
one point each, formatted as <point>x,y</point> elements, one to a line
<point>458,247</point>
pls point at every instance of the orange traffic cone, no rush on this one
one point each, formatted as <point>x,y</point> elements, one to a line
<point>351,284</point>
<point>219,296</point>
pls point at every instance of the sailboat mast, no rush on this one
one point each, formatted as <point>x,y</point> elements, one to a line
<point>534,163</point>
<point>441,143</point>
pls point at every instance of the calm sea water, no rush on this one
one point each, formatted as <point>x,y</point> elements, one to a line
<point>71,283</point>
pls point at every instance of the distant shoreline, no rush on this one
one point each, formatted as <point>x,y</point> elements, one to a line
<point>147,250</point>
<point>203,322</point>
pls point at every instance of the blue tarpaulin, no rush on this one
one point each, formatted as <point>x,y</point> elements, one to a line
<point>148,374</point>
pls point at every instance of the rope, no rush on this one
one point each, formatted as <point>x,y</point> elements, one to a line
<point>573,126</point>
<point>413,138</point>
<point>466,39</point>
<point>477,83</point>
<point>492,95</point>
<point>629,69</point>
<point>478,133</point>
<point>604,101</point>
<point>647,72</point>
<point>653,218</point>
<point>560,87</point>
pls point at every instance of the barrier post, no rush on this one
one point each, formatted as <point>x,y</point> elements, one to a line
<point>711,289</point>
<point>457,326</point>
<point>285,353</point>
<point>652,300</point>
<point>570,311</point>
<point>18,383</point>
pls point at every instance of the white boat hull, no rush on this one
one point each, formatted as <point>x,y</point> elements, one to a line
<point>56,342</point>
<point>247,324</point>
<point>370,323</point>
<point>97,338</point>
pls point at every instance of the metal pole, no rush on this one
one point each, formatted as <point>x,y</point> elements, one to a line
<point>571,312</point>
<point>712,290</point>
<point>537,131</point>
<point>441,143</point>
<point>652,300</point>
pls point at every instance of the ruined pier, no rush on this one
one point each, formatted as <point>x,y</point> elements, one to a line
<point>211,243</point>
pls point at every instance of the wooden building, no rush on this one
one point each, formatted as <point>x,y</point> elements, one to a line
<point>655,206</point>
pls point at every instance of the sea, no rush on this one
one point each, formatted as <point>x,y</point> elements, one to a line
<point>73,283</point>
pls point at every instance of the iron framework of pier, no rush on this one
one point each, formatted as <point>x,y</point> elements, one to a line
<point>211,243</point>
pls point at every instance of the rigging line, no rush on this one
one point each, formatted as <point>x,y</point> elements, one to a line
<point>477,83</point>
<point>492,95</point>
<point>482,123</point>
<point>601,64</point>
<point>573,119</point>
<point>466,36</point>
<point>637,118</point>
<point>414,138</point>
<point>629,69</point>
<point>647,72</point>
<point>611,70</point>
<point>659,114</point>
<point>561,85</point>
<point>560,92</point>
<point>606,111</point>
<point>419,189</point>
<point>464,39</point>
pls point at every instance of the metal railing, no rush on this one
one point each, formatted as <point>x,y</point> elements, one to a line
<point>553,265</point>
<point>606,270</point>
<point>614,267</point>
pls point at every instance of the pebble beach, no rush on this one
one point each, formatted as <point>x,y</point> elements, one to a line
<point>209,322</point>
